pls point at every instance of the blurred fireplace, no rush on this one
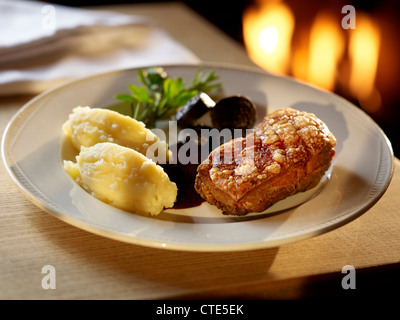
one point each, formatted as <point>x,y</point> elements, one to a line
<point>306,40</point>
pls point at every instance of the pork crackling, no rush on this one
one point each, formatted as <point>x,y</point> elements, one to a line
<point>287,153</point>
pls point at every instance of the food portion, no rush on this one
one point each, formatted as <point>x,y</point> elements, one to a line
<point>123,177</point>
<point>287,153</point>
<point>234,112</point>
<point>212,157</point>
<point>87,126</point>
<point>194,109</point>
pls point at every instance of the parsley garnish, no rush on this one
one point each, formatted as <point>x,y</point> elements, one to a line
<point>161,95</point>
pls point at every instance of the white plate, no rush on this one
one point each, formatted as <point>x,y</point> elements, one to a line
<point>361,170</point>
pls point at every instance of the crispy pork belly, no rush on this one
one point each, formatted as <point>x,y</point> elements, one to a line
<point>287,153</point>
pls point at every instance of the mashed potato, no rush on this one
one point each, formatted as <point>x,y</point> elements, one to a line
<point>123,177</point>
<point>87,126</point>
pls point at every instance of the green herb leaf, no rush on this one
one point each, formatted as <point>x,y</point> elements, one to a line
<point>124,97</point>
<point>162,95</point>
<point>140,94</point>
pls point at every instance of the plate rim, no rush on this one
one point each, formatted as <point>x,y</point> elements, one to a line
<point>204,247</point>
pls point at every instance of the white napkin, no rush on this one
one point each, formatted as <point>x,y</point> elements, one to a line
<point>43,44</point>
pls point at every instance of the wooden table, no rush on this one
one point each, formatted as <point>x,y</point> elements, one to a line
<point>92,267</point>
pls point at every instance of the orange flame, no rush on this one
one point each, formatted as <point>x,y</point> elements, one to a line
<point>364,53</point>
<point>326,50</point>
<point>267,35</point>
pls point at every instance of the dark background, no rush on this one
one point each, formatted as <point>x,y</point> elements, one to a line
<point>227,16</point>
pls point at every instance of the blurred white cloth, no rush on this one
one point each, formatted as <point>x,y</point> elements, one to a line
<point>44,44</point>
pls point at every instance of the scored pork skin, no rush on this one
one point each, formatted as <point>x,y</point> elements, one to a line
<point>288,152</point>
